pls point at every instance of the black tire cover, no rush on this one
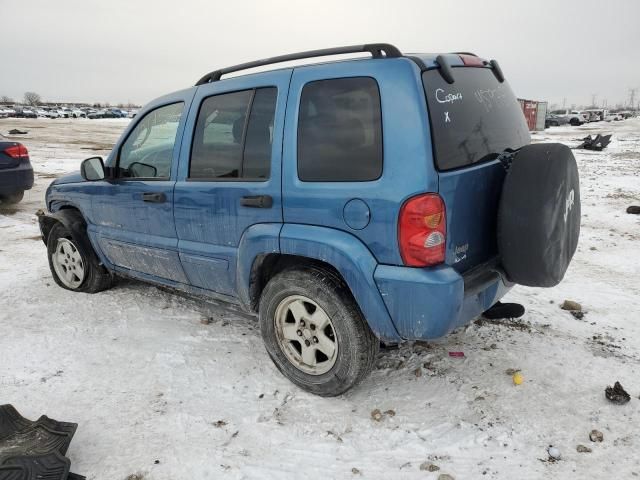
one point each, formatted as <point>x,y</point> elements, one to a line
<point>539,215</point>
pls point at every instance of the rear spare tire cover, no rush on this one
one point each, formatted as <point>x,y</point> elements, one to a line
<point>539,215</point>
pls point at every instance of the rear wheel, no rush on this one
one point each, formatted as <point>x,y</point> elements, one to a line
<point>314,332</point>
<point>15,197</point>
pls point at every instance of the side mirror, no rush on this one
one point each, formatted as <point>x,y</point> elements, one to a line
<point>92,169</point>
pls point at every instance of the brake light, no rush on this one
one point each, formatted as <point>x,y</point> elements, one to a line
<point>471,60</point>
<point>17,151</point>
<point>422,230</point>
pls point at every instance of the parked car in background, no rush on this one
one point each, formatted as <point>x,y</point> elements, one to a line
<point>575,117</point>
<point>96,114</point>
<point>16,172</point>
<point>77,113</point>
<point>42,113</point>
<point>314,199</point>
<point>555,121</point>
<point>25,112</point>
<point>596,114</point>
<point>6,112</point>
<point>613,116</point>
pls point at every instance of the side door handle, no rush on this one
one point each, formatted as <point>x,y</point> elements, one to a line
<point>154,197</point>
<point>257,201</point>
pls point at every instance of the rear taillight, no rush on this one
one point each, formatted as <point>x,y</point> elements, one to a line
<point>17,151</point>
<point>422,230</point>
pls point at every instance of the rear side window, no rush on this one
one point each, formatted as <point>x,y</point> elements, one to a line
<point>474,119</point>
<point>340,131</point>
<point>233,136</point>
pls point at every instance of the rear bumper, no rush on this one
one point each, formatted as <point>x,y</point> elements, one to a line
<point>429,303</point>
<point>16,179</point>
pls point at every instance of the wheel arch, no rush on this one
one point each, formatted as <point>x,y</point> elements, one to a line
<point>337,252</point>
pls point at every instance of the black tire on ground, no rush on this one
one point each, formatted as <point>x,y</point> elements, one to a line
<point>575,122</point>
<point>357,346</point>
<point>12,198</point>
<point>96,276</point>
<point>539,215</point>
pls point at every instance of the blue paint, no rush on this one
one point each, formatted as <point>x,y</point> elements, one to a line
<point>202,240</point>
<point>356,214</point>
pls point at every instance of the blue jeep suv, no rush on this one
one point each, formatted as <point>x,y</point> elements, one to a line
<point>346,203</point>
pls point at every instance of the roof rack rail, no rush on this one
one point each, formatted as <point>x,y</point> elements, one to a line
<point>377,50</point>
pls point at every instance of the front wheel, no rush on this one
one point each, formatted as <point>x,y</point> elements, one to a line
<point>574,122</point>
<point>72,265</point>
<point>314,332</point>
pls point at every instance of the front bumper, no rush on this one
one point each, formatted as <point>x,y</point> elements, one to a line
<point>429,303</point>
<point>16,179</point>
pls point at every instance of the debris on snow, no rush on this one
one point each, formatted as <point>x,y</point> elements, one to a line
<point>554,453</point>
<point>504,310</point>
<point>571,306</point>
<point>596,436</point>
<point>577,314</point>
<point>617,394</point>
<point>633,209</point>
<point>456,354</point>
<point>355,471</point>
<point>429,467</point>
<point>583,449</point>
<point>376,414</point>
<point>598,143</point>
<point>517,378</point>
<point>445,476</point>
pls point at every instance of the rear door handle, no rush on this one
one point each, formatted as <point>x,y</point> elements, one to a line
<point>154,197</point>
<point>257,201</point>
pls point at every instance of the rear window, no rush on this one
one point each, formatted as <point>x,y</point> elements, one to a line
<point>474,119</point>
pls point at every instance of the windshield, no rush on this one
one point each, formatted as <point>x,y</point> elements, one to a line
<point>474,119</point>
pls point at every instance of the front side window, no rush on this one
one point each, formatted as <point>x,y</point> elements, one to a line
<point>233,136</point>
<point>340,131</point>
<point>148,151</point>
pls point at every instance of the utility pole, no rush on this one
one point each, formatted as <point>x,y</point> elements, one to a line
<point>632,96</point>
<point>593,99</point>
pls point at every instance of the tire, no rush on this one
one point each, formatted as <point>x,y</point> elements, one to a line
<point>12,198</point>
<point>319,292</point>
<point>574,122</point>
<point>86,273</point>
<point>539,215</point>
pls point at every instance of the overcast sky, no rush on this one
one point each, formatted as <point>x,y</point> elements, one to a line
<point>135,50</point>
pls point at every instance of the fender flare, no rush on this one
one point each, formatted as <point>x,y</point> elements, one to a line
<point>353,260</point>
<point>74,221</point>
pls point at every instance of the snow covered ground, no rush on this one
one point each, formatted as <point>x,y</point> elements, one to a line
<point>159,394</point>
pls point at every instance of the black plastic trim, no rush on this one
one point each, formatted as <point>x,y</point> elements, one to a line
<point>445,68</point>
<point>497,71</point>
<point>377,50</point>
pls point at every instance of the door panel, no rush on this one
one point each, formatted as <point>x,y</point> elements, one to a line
<point>211,214</point>
<point>133,213</point>
<point>360,204</point>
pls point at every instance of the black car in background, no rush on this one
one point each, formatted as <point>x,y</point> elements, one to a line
<point>16,172</point>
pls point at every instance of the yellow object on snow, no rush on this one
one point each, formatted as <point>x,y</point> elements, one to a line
<point>518,378</point>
